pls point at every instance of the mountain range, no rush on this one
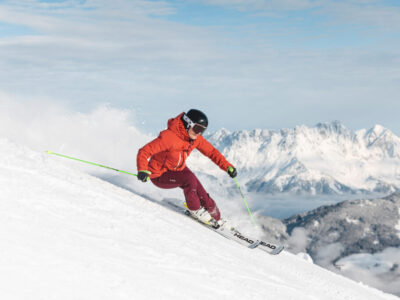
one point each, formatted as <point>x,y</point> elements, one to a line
<point>327,159</point>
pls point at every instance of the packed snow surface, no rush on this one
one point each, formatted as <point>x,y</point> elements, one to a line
<point>67,235</point>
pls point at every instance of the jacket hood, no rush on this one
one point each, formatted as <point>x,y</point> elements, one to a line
<point>176,126</point>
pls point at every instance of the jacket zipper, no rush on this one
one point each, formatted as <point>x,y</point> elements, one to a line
<point>185,156</point>
<point>179,161</point>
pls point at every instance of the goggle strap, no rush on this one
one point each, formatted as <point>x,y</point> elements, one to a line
<point>192,124</point>
<point>188,120</point>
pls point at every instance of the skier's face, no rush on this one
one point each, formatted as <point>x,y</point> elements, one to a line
<point>192,134</point>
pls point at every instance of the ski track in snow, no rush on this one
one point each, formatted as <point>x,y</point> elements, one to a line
<point>67,235</point>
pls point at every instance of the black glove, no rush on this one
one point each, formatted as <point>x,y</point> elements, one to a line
<point>143,176</point>
<point>232,172</point>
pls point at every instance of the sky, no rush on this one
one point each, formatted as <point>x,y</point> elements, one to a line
<point>247,64</point>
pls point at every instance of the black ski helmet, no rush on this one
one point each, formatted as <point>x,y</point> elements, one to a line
<point>195,116</point>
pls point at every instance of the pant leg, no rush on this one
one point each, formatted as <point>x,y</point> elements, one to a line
<point>206,201</point>
<point>184,179</point>
<point>194,192</point>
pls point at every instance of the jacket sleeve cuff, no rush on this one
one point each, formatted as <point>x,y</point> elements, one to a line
<point>148,172</point>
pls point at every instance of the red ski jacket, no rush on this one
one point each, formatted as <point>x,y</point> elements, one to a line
<point>171,148</point>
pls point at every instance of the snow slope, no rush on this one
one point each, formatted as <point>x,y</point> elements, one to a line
<point>67,235</point>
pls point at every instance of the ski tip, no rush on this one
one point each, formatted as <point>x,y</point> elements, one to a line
<point>277,250</point>
<point>49,152</point>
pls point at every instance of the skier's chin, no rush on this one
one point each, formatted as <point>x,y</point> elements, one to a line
<point>193,136</point>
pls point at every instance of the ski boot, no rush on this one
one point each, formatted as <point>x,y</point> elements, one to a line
<point>224,224</point>
<point>203,216</point>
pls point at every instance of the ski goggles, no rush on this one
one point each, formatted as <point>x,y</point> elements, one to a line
<point>197,128</point>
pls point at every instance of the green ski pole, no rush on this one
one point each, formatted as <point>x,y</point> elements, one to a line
<point>90,163</point>
<point>245,202</point>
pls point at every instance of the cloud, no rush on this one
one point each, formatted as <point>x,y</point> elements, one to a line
<point>117,47</point>
<point>380,270</point>
<point>265,5</point>
<point>298,240</point>
<point>93,8</point>
<point>328,253</point>
<point>107,30</point>
<point>131,54</point>
<point>378,13</point>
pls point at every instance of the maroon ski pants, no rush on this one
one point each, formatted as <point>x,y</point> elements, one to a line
<point>195,194</point>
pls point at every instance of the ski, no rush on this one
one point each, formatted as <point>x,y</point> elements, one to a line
<point>233,235</point>
<point>229,234</point>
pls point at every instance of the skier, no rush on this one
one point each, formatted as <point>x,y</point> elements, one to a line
<point>167,169</point>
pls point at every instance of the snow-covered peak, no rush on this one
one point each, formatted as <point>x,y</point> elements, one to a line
<point>383,139</point>
<point>334,127</point>
<point>221,133</point>
<point>376,133</point>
